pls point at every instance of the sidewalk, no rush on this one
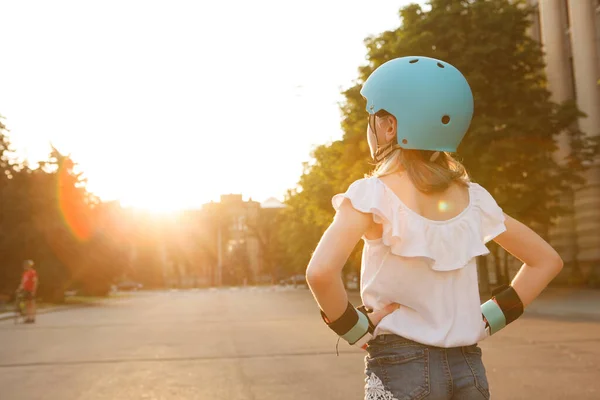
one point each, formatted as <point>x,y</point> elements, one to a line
<point>567,303</point>
<point>48,308</point>
<point>45,310</point>
<point>553,302</point>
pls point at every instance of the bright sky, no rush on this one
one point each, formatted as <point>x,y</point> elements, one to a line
<point>168,104</point>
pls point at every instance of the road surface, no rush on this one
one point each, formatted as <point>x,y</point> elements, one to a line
<point>254,343</point>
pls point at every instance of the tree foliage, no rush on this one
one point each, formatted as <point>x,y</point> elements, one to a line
<point>47,215</point>
<point>510,145</point>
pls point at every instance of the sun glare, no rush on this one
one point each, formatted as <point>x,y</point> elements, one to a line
<point>154,204</point>
<point>161,200</point>
<point>149,131</point>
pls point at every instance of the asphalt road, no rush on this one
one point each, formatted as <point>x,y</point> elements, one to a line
<point>254,343</point>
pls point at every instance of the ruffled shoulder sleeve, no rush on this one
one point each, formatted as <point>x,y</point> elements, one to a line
<point>491,215</point>
<point>446,245</point>
<point>366,196</point>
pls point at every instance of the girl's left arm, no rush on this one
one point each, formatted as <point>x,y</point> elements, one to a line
<point>324,272</point>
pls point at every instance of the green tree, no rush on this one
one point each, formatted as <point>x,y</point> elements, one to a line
<point>12,212</point>
<point>309,210</point>
<point>106,250</point>
<point>236,267</point>
<point>46,214</point>
<point>510,144</point>
<point>266,229</point>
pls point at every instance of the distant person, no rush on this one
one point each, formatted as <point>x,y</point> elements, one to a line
<point>423,223</point>
<point>29,285</point>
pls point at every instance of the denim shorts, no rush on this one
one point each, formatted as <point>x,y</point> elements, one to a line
<point>400,369</point>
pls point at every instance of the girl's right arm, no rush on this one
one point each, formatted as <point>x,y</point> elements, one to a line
<point>541,263</point>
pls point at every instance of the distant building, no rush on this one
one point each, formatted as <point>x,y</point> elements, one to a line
<point>272,202</point>
<point>569,31</point>
<point>231,239</point>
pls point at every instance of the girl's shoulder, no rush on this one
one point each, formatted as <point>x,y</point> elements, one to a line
<point>363,194</point>
<point>410,235</point>
<point>490,213</point>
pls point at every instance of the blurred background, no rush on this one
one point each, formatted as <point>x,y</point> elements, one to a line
<point>174,162</point>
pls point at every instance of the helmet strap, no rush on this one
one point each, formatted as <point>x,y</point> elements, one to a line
<point>385,151</point>
<point>382,152</point>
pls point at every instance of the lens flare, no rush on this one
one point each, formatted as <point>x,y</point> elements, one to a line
<point>443,206</point>
<point>75,213</point>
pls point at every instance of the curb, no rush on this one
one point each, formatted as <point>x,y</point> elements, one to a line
<point>48,310</point>
<point>563,315</point>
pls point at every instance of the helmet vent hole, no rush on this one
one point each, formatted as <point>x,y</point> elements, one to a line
<point>440,65</point>
<point>404,141</point>
<point>414,61</point>
<point>445,119</point>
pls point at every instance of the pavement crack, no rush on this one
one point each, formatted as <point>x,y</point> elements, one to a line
<point>170,359</point>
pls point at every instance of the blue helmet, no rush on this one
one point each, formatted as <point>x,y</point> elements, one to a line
<point>430,99</point>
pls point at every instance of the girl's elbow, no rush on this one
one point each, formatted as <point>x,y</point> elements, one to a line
<point>316,275</point>
<point>313,276</point>
<point>556,262</point>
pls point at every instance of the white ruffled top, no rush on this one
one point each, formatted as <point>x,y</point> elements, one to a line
<point>426,266</point>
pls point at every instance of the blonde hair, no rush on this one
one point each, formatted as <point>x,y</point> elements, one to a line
<point>427,176</point>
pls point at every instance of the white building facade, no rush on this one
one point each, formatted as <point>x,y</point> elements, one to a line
<point>569,31</point>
